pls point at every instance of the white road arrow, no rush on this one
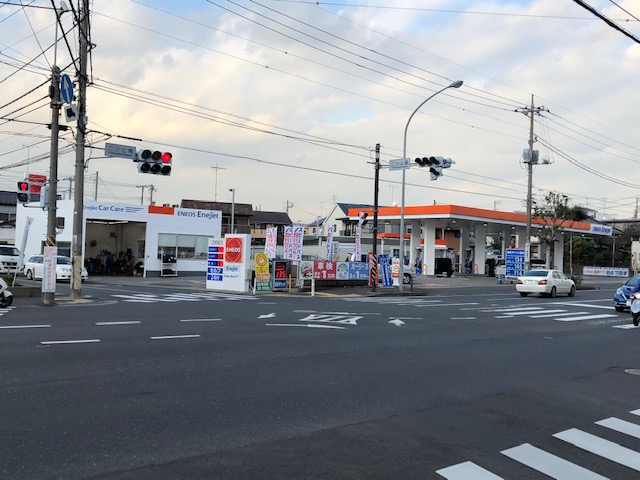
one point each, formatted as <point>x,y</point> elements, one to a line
<point>397,322</point>
<point>268,315</point>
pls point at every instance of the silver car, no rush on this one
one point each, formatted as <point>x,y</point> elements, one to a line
<point>34,268</point>
<point>545,282</point>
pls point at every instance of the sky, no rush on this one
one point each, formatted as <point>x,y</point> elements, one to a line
<point>284,101</point>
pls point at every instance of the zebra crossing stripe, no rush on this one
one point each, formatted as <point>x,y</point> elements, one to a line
<point>513,314</point>
<point>599,446</point>
<point>625,327</point>
<point>631,429</point>
<point>549,464</point>
<point>586,317</point>
<point>466,471</point>
<point>558,314</point>
<point>511,309</point>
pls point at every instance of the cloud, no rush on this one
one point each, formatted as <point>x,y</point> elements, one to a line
<point>293,114</point>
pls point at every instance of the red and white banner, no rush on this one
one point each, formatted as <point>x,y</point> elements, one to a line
<point>271,242</point>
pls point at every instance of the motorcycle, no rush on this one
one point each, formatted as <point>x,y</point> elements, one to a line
<point>6,297</point>
<point>633,302</point>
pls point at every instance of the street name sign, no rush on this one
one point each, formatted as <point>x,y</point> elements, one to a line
<point>124,151</point>
<point>399,164</point>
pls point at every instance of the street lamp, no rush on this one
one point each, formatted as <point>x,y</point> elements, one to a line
<point>456,84</point>
<point>233,208</point>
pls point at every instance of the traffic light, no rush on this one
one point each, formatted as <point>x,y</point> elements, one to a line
<point>362,218</point>
<point>435,164</point>
<point>24,192</point>
<point>154,162</point>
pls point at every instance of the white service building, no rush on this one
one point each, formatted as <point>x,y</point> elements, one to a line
<point>145,233</point>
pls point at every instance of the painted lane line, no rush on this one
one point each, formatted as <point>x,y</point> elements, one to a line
<point>132,322</point>
<point>549,464</point>
<point>447,304</point>
<point>586,317</point>
<point>267,315</point>
<point>24,326</point>
<point>625,327</point>
<point>599,446</point>
<point>635,412</point>
<point>171,337</point>
<point>559,314</point>
<point>631,429</point>
<point>63,342</point>
<point>201,320</point>
<point>303,325</point>
<point>463,318</point>
<point>467,471</point>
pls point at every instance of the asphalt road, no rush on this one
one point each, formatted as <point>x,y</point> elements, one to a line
<point>159,381</point>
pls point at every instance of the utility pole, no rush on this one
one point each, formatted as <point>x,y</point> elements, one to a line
<point>142,194</point>
<point>48,297</point>
<point>530,159</point>
<point>374,261</point>
<point>215,190</point>
<point>289,205</point>
<point>95,192</point>
<point>151,190</point>
<point>78,205</point>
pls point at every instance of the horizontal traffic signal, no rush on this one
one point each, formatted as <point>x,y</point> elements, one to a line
<point>155,162</point>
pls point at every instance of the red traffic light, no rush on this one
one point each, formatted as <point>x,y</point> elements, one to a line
<point>166,157</point>
<point>23,186</point>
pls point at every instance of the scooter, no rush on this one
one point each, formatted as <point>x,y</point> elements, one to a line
<point>6,297</point>
<point>633,301</point>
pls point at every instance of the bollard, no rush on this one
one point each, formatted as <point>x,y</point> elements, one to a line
<point>499,280</point>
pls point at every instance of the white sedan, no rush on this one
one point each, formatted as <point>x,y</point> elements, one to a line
<point>34,268</point>
<point>545,282</point>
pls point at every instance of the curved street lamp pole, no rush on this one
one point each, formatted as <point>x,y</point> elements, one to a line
<point>456,84</point>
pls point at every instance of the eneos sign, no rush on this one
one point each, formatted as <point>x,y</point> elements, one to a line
<point>233,250</point>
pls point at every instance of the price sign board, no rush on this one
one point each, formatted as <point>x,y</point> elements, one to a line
<point>514,262</point>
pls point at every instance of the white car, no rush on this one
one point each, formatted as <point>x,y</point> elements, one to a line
<point>545,282</point>
<point>34,268</point>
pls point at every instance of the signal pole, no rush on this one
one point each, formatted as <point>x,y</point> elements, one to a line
<point>78,205</point>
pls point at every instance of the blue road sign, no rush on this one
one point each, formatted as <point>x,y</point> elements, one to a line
<point>66,88</point>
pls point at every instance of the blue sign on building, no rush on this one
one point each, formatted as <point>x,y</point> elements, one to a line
<point>384,270</point>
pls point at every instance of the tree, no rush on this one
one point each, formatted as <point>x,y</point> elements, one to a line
<point>551,215</point>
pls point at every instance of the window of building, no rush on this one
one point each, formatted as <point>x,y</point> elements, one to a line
<point>184,247</point>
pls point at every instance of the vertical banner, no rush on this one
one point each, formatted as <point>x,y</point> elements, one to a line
<point>271,242</point>
<point>297,241</point>
<point>330,242</point>
<point>49,269</point>
<point>262,272</point>
<point>288,242</point>
<point>358,248</point>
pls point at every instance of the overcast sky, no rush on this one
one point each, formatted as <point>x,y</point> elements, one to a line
<point>285,100</point>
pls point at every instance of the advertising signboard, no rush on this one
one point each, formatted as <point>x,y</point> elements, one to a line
<point>514,262</point>
<point>49,269</point>
<point>228,262</point>
<point>261,261</point>
<point>324,270</point>
<point>384,269</point>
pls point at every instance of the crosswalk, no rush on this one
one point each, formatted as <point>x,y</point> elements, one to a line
<point>553,313</point>
<point>554,466</point>
<point>558,311</point>
<point>181,297</point>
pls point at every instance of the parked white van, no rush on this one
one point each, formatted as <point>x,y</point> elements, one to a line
<point>9,259</point>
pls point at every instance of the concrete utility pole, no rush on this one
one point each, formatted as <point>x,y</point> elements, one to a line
<point>142,194</point>
<point>532,160</point>
<point>78,205</point>
<point>48,297</point>
<point>374,265</point>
